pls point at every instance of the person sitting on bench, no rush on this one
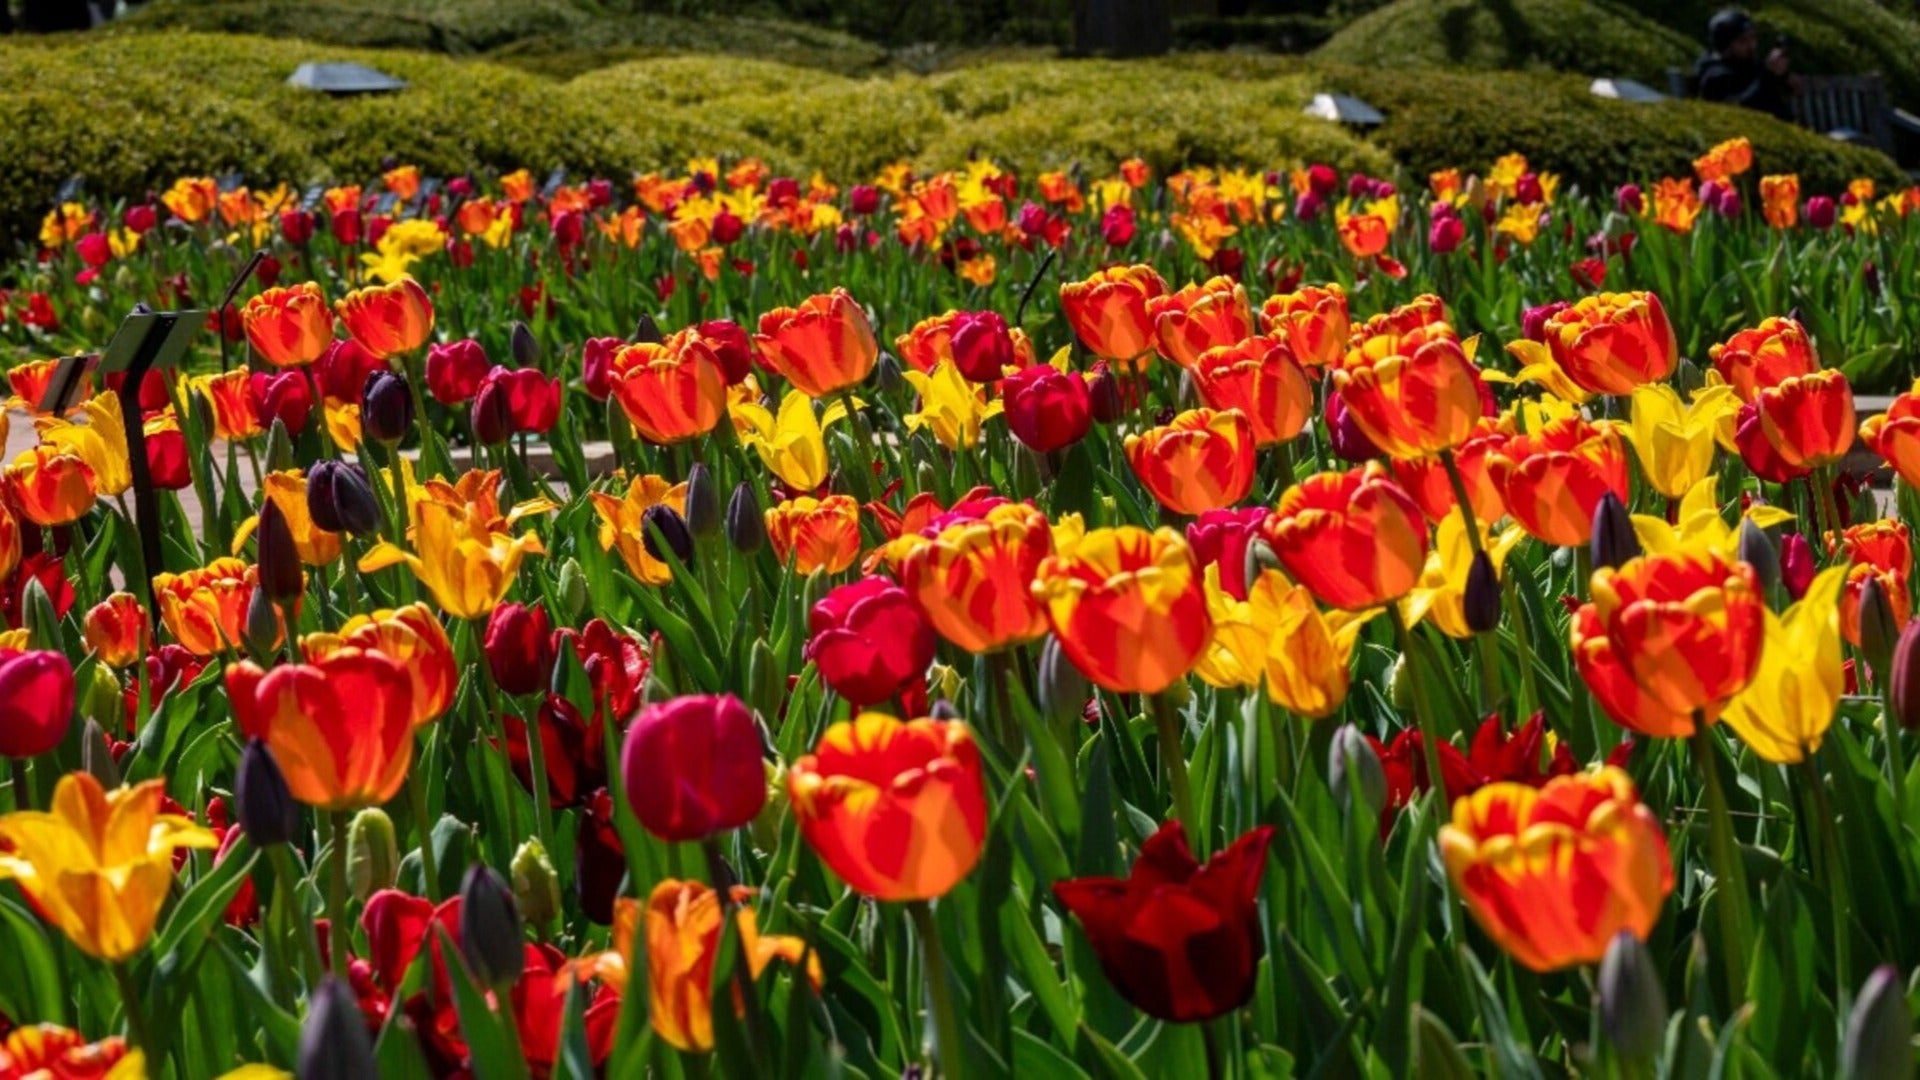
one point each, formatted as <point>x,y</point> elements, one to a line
<point>1732,71</point>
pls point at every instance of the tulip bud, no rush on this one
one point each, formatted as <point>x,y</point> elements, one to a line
<point>262,625</point>
<point>96,756</point>
<point>268,815</point>
<point>1104,394</point>
<point>1482,598</point>
<point>519,648</point>
<point>1063,688</point>
<point>1353,769</point>
<point>1627,199</point>
<point>492,414</point>
<point>526,351</point>
<point>373,853</point>
<point>766,682</point>
<point>536,888</point>
<point>279,574</point>
<point>705,518</point>
<point>1757,550</point>
<point>43,624</point>
<point>662,529</point>
<point>943,710</point>
<point>1879,626</point>
<point>333,1039</point>
<point>101,700</point>
<point>1796,565</point>
<point>386,408</point>
<point>1905,676</point>
<point>572,591</point>
<point>1821,212</point>
<point>746,526</point>
<point>1879,1039</point>
<point>491,937</point>
<point>886,375</point>
<point>1400,684</point>
<point>340,499</point>
<point>1633,1005</point>
<point>279,446</point>
<point>1613,540</point>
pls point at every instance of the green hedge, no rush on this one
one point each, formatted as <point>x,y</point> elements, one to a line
<point>1593,38</point>
<point>1829,36</point>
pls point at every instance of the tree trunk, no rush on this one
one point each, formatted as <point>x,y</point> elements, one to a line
<point>1121,27</point>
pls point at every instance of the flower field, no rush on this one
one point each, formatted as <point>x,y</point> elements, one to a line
<point>714,623</point>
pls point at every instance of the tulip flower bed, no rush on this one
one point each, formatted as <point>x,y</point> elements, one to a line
<point>607,637</point>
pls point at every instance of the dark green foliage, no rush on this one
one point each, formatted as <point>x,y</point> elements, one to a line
<point>1593,38</point>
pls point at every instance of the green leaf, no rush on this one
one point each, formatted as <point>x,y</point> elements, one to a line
<point>490,1044</point>
<point>1437,1055</point>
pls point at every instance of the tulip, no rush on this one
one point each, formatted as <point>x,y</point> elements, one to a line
<point>536,885</point>
<point>1808,419</point>
<point>1611,343</point>
<point>692,767</point>
<point>1821,212</point>
<point>1796,564</point>
<point>663,530</point>
<point>230,399</point>
<point>340,727</point>
<point>455,370</point>
<point>1108,312</point>
<point>815,534</point>
<point>824,346</point>
<point>340,499</point>
<point>950,407</point>
<point>1555,479</point>
<point>746,526</point>
<point>1895,435</point>
<point>1426,481</point>
<point>1413,394</point>
<point>1046,408</point>
<point>1197,318</point>
<point>50,486</point>
<point>670,392</point>
<point>386,408</point>
<point>166,453</point>
<point>1223,538</point>
<point>290,326</point>
<point>467,565</point>
<point>490,929</point>
<point>1685,627</point>
<point>519,648</point>
<point>1259,377</point>
<point>1203,460</point>
<point>1764,356</point>
<point>284,396</point>
<point>971,575</point>
<point>1180,940</point>
<point>1904,679</point>
<point>277,565</point>
<point>36,702</point>
<point>1552,874</point>
<point>1879,1035</point>
<point>792,443</point>
<point>1785,711</point>
<point>388,320</point>
<point>412,637</point>
<point>897,809</point>
<point>205,609</point>
<point>731,346</point>
<point>1354,538</point>
<point>264,805</point>
<point>1675,442</point>
<point>334,1044</point>
<point>868,641</point>
<point>1630,999</point>
<point>1313,321</point>
<point>704,515</point>
<point>1278,634</point>
<point>1128,606</point>
<point>98,864</point>
<point>373,853</point>
<point>117,631</point>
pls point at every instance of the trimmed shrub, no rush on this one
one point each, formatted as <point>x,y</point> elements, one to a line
<point>1593,37</point>
<point>1830,37</point>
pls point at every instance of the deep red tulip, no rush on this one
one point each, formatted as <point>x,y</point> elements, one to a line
<point>1047,409</point>
<point>1220,538</point>
<point>693,767</point>
<point>36,701</point>
<point>343,370</point>
<point>296,225</point>
<point>167,456</point>
<point>455,371</point>
<point>731,345</point>
<point>532,398</point>
<point>982,346</point>
<point>283,395</point>
<point>869,641</point>
<point>519,648</point>
<point>596,365</point>
<point>575,749</point>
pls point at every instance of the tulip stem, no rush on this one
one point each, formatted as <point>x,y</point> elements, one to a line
<point>423,823</point>
<point>1166,720</point>
<point>1896,758</point>
<point>1465,502</point>
<point>862,446</point>
<point>536,748</point>
<point>286,885</point>
<point>337,933</point>
<point>946,1022</point>
<point>136,1019</point>
<point>1484,642</point>
<point>1839,899</point>
<point>1724,850</point>
<point>22,783</point>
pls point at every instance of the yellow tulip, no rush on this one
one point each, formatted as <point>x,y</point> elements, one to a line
<point>622,518</point>
<point>1537,365</point>
<point>101,442</point>
<point>288,490</point>
<point>1786,710</point>
<point>100,863</point>
<point>1675,442</point>
<point>1237,654</point>
<point>1698,524</point>
<point>953,408</point>
<point>1441,592</point>
<point>1310,656</point>
<point>467,565</point>
<point>793,444</point>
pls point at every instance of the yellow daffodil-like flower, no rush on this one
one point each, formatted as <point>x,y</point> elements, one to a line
<point>1241,631</point>
<point>1786,710</point>
<point>1278,633</point>
<point>950,406</point>
<point>1520,221</point>
<point>467,566</point>
<point>793,444</point>
<point>623,518</point>
<point>402,245</point>
<point>1698,524</point>
<point>99,864</point>
<point>101,442</point>
<point>1675,442</point>
<point>1441,593</point>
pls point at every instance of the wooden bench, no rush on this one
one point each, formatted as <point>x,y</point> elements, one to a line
<point>1853,108</point>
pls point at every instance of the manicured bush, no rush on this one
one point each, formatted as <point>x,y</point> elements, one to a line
<point>1830,37</point>
<point>1593,38</point>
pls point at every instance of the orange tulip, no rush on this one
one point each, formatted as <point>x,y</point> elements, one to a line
<point>1313,320</point>
<point>206,609</point>
<point>1611,682</point>
<point>340,728</point>
<point>1414,393</point>
<point>1780,200</point>
<point>410,636</point>
<point>10,542</point>
<point>1895,435</point>
<point>623,518</point>
<point>671,392</point>
<point>816,534</point>
<point>1552,479</point>
<point>1426,478</point>
<point>1685,626</point>
<point>231,403</point>
<point>897,809</point>
<point>928,343</point>
<point>50,485</point>
<point>1365,235</point>
<point>1355,539</point>
<point>1611,343</point>
<point>1874,549</point>
<point>1202,460</point>
<point>31,380</point>
<point>1128,606</point>
<point>388,320</point>
<point>822,347</point>
<point>289,326</point>
<point>1108,312</point>
<point>1808,419</point>
<point>1764,356</point>
<point>1260,378</point>
<point>288,490</point>
<point>1552,874</point>
<point>1894,585</point>
<point>116,630</point>
<point>973,578</point>
<point>1200,317</point>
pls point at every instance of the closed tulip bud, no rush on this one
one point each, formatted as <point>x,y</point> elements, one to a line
<point>333,1039</point>
<point>43,622</point>
<point>279,563</point>
<point>1879,626</point>
<point>1613,540</point>
<point>536,888</point>
<point>268,815</point>
<point>1260,559</point>
<point>705,518</point>
<point>1821,212</point>
<point>373,853</point>
<point>101,699</point>
<point>1796,565</point>
<point>1757,551</point>
<point>262,624</point>
<point>943,710</point>
<point>386,408</point>
<point>1482,599</point>
<point>279,447</point>
<point>340,500</point>
<point>1063,689</point>
<point>662,529</point>
<point>1104,394</point>
<point>572,591</point>
<point>1400,684</point>
<point>1627,198</point>
<point>1906,676</point>
<point>886,375</point>
<point>491,934</point>
<point>766,682</point>
<point>1354,770</point>
<point>746,525</point>
<point>1633,1004</point>
<point>519,648</point>
<point>96,756</point>
<point>1879,1040</point>
<point>525,350</point>
<point>492,415</point>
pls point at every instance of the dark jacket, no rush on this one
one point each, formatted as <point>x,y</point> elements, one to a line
<point>1743,82</point>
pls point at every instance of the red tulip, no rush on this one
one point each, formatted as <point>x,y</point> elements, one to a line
<point>693,767</point>
<point>36,702</point>
<point>455,371</point>
<point>286,396</point>
<point>519,648</point>
<point>1046,408</point>
<point>869,641</point>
